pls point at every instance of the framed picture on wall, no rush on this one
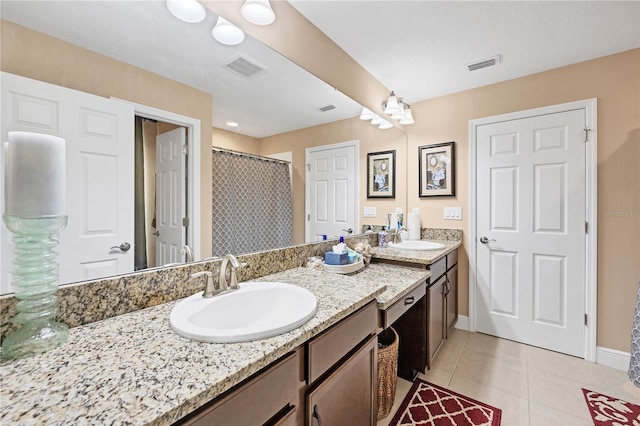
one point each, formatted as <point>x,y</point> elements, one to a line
<point>436,169</point>
<point>381,174</point>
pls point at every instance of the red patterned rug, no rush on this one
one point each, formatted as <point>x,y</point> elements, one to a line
<point>429,404</point>
<point>609,411</point>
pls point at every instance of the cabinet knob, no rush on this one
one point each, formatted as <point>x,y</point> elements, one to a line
<point>316,415</point>
<point>409,300</point>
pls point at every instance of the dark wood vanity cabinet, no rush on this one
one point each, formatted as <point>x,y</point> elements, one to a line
<point>442,301</point>
<point>330,380</point>
<point>342,367</point>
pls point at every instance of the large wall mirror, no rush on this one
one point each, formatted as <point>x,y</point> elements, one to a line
<point>250,83</point>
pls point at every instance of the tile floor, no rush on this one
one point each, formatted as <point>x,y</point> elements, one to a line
<point>532,386</point>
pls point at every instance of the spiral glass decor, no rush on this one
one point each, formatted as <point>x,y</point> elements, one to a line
<point>35,279</point>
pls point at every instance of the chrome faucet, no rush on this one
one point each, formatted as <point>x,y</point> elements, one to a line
<point>222,281</point>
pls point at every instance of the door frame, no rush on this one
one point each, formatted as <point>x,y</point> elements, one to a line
<point>356,201</point>
<point>591,237</point>
<point>193,164</point>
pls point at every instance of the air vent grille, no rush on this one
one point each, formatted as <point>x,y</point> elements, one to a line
<point>483,63</point>
<point>244,67</point>
<point>327,108</point>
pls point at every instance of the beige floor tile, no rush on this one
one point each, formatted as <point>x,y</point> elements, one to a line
<point>448,356</point>
<point>498,348</point>
<point>561,394</point>
<point>497,373</point>
<point>620,385</point>
<point>549,362</point>
<point>545,416</point>
<point>402,388</point>
<point>437,377</point>
<point>515,410</point>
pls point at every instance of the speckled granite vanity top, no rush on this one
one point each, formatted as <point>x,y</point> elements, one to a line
<point>132,369</point>
<point>424,257</point>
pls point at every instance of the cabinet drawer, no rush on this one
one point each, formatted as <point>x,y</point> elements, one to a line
<point>266,394</point>
<point>452,259</point>
<point>395,311</point>
<point>438,269</point>
<point>348,395</point>
<point>329,347</point>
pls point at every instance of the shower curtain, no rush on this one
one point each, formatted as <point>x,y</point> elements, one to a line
<point>252,204</point>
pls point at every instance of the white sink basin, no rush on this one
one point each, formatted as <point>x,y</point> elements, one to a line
<point>417,245</point>
<point>257,311</point>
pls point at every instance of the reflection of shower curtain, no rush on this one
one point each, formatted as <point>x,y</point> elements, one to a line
<point>252,204</point>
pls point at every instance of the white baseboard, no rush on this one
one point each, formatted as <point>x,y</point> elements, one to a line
<point>613,358</point>
<point>462,323</point>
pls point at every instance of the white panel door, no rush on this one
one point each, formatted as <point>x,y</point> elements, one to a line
<point>170,196</point>
<point>99,159</point>
<point>331,190</point>
<point>531,244</point>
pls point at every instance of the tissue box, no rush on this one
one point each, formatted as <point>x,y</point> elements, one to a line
<point>353,257</point>
<point>331,258</point>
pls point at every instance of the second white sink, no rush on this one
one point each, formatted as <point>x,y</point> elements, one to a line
<point>256,311</point>
<point>417,245</point>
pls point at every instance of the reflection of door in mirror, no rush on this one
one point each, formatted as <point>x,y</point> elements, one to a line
<point>331,190</point>
<point>170,209</point>
<point>99,169</point>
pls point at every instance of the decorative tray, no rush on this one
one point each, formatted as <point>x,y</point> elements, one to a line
<point>350,268</point>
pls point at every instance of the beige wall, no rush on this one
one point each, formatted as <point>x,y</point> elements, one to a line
<point>234,141</point>
<point>615,82</point>
<point>371,139</point>
<point>34,55</point>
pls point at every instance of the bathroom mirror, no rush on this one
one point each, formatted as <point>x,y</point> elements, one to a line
<point>141,33</point>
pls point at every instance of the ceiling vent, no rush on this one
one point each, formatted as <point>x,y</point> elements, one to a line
<point>245,67</point>
<point>327,108</point>
<point>483,63</point>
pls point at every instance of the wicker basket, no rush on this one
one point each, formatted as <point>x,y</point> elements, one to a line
<point>387,370</point>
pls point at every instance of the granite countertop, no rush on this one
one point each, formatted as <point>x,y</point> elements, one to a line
<point>423,257</point>
<point>132,369</point>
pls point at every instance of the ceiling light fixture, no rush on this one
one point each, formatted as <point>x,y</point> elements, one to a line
<point>391,106</point>
<point>231,123</point>
<point>227,33</point>
<point>187,10</point>
<point>258,12</point>
<point>385,125</point>
<point>366,114</point>
<point>408,116</point>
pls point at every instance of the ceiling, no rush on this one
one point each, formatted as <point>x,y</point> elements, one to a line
<point>417,48</point>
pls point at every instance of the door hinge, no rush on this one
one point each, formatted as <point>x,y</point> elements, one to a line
<point>308,217</point>
<point>308,167</point>
<point>586,134</point>
<point>585,319</point>
<point>185,149</point>
<point>185,221</point>
<point>586,227</point>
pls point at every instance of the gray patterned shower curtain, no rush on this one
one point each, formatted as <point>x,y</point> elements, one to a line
<point>252,204</point>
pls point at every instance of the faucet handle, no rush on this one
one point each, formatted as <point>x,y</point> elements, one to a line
<point>233,284</point>
<point>209,289</point>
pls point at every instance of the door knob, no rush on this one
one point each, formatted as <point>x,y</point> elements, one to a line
<point>157,233</point>
<point>348,231</point>
<point>485,240</point>
<point>123,247</point>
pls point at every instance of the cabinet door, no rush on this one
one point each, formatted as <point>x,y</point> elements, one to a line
<point>435,312</point>
<point>452,298</point>
<point>348,395</point>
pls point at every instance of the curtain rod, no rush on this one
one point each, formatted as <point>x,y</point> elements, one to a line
<point>245,154</point>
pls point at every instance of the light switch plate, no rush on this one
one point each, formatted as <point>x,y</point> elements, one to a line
<point>453,213</point>
<point>369,212</point>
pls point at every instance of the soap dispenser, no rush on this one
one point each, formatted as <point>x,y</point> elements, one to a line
<point>382,238</point>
